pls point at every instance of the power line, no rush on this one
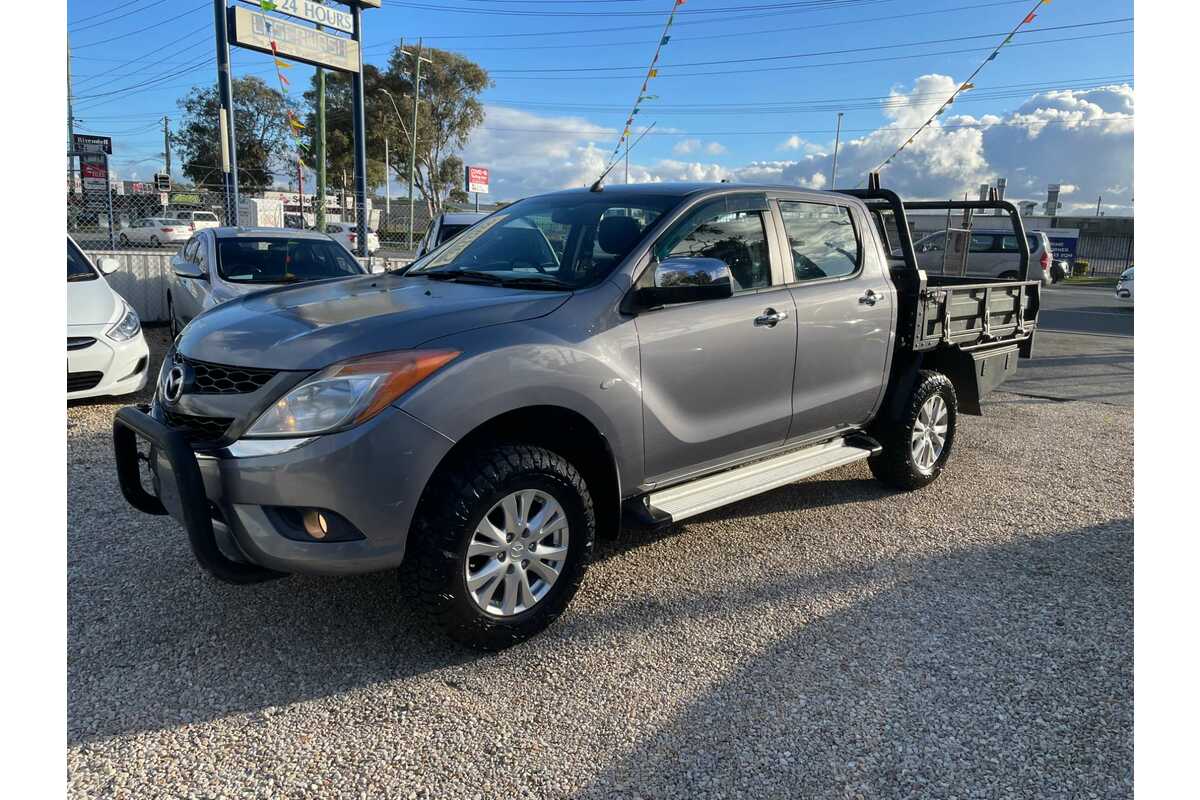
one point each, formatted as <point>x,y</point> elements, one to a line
<point>740,34</point>
<point>813,54</point>
<point>805,5</point>
<point>112,17</point>
<point>141,30</point>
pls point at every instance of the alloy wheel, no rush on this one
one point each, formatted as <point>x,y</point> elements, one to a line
<point>517,552</point>
<point>929,433</point>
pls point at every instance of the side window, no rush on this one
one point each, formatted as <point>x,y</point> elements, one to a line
<point>201,254</point>
<point>189,249</point>
<point>982,242</point>
<point>822,240</point>
<point>738,238</point>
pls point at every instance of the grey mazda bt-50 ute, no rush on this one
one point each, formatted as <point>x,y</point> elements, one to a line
<point>573,363</point>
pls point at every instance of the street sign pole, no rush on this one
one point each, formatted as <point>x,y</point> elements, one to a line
<point>112,237</point>
<point>225,90</point>
<point>360,139</point>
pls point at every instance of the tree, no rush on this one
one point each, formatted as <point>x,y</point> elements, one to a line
<point>449,110</point>
<point>263,141</point>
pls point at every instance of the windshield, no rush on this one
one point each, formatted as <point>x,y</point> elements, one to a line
<point>278,259</point>
<point>558,241</point>
<point>78,269</point>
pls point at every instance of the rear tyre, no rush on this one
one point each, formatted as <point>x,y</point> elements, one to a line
<point>124,240</point>
<point>501,541</point>
<point>917,446</point>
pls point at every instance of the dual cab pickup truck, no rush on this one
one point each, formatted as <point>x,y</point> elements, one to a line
<point>574,362</point>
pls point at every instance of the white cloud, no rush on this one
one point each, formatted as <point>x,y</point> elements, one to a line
<point>1081,139</point>
<point>685,146</point>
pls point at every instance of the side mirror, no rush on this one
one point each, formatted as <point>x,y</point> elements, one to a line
<point>686,280</point>
<point>187,269</point>
<point>108,264</point>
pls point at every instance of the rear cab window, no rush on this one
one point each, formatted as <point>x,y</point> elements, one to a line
<point>821,239</point>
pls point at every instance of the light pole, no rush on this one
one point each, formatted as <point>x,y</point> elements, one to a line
<point>412,162</point>
<point>837,140</point>
<point>388,166</point>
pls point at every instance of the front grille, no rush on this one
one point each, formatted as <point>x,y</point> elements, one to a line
<point>197,429</point>
<point>80,381</point>
<point>220,379</point>
<point>79,342</point>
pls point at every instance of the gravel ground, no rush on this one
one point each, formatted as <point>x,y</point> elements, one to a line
<point>827,639</point>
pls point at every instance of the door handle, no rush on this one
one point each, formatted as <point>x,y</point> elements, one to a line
<point>870,298</point>
<point>770,318</point>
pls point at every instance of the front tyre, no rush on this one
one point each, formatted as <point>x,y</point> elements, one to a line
<point>917,446</point>
<point>501,542</point>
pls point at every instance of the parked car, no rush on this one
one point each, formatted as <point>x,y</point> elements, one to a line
<point>1124,289</point>
<point>993,253</point>
<point>106,352</point>
<point>445,227</point>
<point>347,234</point>
<point>220,264</point>
<point>1060,270</point>
<point>197,220</point>
<point>154,232</point>
<point>652,353</point>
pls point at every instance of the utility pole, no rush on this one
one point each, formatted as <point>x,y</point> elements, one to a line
<point>300,183</point>
<point>412,162</point>
<point>70,126</point>
<point>167,145</point>
<point>321,185</point>
<point>837,140</point>
<point>225,118</point>
<point>1099,197</point>
<point>387,179</point>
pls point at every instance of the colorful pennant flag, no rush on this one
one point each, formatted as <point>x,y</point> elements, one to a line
<point>1028,19</point>
<point>966,87</point>
<point>281,64</point>
<point>653,73</point>
<point>267,5</point>
<point>665,39</point>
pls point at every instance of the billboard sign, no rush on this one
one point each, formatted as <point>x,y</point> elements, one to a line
<point>477,179</point>
<point>256,31</point>
<point>1064,242</point>
<point>84,143</point>
<point>328,16</point>
<point>93,168</point>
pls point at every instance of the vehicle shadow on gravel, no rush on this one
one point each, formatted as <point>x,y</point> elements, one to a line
<point>154,642</point>
<point>998,671</point>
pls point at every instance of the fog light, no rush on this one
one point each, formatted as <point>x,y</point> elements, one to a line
<point>315,524</point>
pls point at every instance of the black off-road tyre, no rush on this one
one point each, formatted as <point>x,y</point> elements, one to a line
<point>896,465</point>
<point>458,497</point>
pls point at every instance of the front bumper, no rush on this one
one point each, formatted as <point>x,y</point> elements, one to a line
<point>372,476</point>
<point>124,366</point>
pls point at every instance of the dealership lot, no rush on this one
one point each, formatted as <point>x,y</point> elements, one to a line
<point>826,639</point>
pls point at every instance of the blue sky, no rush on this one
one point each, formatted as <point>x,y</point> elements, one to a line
<point>563,91</point>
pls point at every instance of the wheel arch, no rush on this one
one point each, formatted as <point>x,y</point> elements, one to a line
<point>563,431</point>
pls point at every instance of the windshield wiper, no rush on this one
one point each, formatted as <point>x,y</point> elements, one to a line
<point>461,274</point>
<point>536,282</point>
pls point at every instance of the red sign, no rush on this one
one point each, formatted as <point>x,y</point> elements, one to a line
<point>477,179</point>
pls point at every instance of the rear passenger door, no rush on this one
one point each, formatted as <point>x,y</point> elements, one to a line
<point>845,314</point>
<point>717,374</point>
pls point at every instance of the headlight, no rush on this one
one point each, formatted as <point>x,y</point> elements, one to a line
<point>348,393</point>
<point>127,326</point>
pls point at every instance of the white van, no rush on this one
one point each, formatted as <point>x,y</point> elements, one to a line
<point>993,254</point>
<point>197,220</point>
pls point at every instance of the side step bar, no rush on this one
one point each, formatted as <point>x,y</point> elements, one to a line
<point>713,491</point>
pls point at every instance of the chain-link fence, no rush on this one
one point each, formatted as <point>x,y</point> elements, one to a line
<point>129,218</point>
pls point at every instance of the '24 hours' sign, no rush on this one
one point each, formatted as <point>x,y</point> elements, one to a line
<point>315,12</point>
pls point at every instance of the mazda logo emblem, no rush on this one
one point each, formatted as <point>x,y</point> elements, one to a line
<point>173,386</point>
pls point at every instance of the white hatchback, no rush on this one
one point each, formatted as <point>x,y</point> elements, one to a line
<point>347,234</point>
<point>155,232</point>
<point>106,352</point>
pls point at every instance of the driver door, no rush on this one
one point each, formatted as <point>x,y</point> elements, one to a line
<point>717,374</point>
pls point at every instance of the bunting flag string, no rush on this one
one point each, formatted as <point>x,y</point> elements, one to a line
<point>651,72</point>
<point>965,86</point>
<point>293,119</point>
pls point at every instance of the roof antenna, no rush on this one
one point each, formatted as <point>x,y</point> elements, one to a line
<point>597,186</point>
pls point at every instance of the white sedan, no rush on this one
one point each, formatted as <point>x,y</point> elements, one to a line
<point>154,232</point>
<point>347,234</point>
<point>106,352</point>
<point>1125,286</point>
